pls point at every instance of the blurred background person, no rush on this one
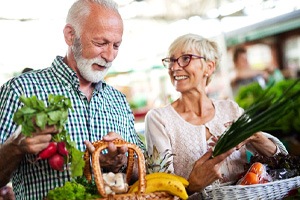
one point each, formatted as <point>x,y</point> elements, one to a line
<point>243,74</point>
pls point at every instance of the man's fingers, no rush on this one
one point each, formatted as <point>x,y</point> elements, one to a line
<point>111,136</point>
<point>48,130</point>
<point>122,150</point>
<point>89,146</point>
<point>112,147</point>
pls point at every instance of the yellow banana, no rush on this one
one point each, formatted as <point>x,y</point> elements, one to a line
<point>172,186</point>
<point>168,175</point>
<point>158,175</point>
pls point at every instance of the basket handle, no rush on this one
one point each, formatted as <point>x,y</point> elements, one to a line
<point>87,167</point>
<point>101,145</point>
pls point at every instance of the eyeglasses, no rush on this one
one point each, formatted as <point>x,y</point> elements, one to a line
<point>182,61</point>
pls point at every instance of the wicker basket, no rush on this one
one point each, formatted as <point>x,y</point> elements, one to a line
<point>132,149</point>
<point>266,191</point>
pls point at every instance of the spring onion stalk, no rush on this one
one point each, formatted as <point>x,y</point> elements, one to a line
<point>261,115</point>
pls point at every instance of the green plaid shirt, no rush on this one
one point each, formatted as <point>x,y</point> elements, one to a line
<point>107,111</point>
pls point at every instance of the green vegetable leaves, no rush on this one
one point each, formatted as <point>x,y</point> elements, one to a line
<point>261,115</point>
<point>71,190</point>
<point>35,110</point>
<point>35,114</point>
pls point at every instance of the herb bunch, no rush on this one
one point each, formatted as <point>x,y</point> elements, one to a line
<point>261,115</point>
<point>35,114</point>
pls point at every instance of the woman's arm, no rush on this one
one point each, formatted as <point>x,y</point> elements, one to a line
<point>156,134</point>
<point>265,144</point>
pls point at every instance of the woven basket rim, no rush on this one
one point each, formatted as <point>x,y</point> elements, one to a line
<point>255,185</point>
<point>267,191</point>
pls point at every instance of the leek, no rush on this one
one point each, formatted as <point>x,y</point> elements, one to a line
<point>261,115</point>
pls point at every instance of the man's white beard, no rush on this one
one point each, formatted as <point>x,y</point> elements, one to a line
<point>85,65</point>
<point>86,70</point>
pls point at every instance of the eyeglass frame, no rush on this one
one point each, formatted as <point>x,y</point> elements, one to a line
<point>173,60</point>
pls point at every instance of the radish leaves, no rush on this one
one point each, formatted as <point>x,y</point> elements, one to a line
<point>35,113</point>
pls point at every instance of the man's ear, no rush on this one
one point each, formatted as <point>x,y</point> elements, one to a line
<point>69,34</point>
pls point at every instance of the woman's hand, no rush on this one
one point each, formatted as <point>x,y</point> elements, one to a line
<point>206,170</point>
<point>261,144</point>
<point>115,158</point>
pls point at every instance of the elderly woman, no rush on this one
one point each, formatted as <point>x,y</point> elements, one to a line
<point>190,124</point>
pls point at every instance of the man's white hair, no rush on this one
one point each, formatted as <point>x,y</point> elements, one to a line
<point>80,10</point>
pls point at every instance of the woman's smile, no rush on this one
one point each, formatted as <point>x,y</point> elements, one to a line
<point>178,78</point>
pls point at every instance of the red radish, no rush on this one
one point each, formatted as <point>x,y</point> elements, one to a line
<point>56,162</point>
<point>49,151</point>
<point>61,148</point>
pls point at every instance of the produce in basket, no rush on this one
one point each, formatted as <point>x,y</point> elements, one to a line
<point>256,118</point>
<point>115,183</point>
<point>161,181</point>
<point>157,185</point>
<point>157,162</point>
<point>279,166</point>
<point>256,174</point>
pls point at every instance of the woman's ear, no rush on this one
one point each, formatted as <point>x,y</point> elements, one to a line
<point>69,34</point>
<point>211,67</point>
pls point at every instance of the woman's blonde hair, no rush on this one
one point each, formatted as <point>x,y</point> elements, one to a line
<point>205,47</point>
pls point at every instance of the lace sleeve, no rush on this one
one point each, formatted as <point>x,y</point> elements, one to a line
<point>156,135</point>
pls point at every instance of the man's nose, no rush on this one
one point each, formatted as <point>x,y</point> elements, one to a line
<point>109,53</point>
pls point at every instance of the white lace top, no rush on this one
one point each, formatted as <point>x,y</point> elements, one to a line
<point>166,129</point>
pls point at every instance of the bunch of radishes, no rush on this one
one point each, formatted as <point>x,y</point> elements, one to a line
<point>56,153</point>
<point>61,150</point>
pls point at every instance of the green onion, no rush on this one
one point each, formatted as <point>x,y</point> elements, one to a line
<point>261,115</point>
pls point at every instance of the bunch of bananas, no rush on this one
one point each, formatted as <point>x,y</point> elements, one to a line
<point>161,181</point>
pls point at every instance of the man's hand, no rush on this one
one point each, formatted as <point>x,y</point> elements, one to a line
<point>115,157</point>
<point>37,142</point>
<point>6,193</point>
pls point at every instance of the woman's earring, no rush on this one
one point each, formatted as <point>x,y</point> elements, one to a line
<point>206,74</point>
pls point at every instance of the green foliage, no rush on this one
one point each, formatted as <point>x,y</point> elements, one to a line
<point>287,124</point>
<point>70,191</point>
<point>90,186</point>
<point>35,110</point>
<point>261,115</point>
<point>36,113</point>
<point>248,94</point>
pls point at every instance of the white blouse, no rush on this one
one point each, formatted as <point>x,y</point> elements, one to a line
<point>166,129</point>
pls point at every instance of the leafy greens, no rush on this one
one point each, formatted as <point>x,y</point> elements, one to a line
<point>256,118</point>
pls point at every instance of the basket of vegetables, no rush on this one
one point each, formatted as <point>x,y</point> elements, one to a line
<point>261,115</point>
<point>266,178</point>
<point>267,191</point>
<point>158,185</point>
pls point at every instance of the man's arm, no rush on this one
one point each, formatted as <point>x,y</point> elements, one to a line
<point>10,157</point>
<point>17,145</point>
